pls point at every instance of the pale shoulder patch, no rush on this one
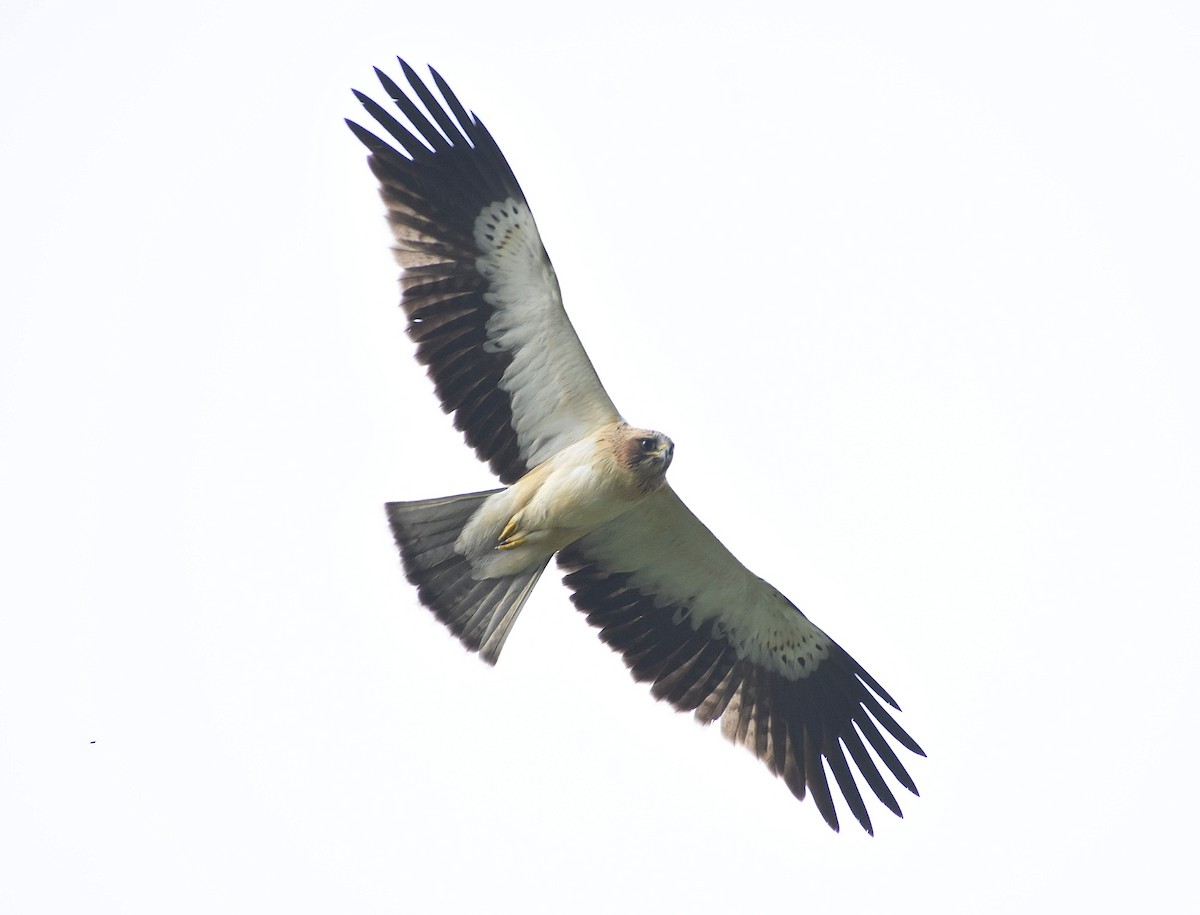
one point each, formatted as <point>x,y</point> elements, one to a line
<point>555,394</point>
<point>674,559</point>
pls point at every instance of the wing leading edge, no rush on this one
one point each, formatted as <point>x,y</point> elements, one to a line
<point>715,640</point>
<point>481,296</point>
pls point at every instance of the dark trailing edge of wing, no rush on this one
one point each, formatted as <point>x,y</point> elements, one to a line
<point>444,170</point>
<point>793,726</point>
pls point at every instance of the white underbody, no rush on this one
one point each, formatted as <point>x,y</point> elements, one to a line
<point>556,503</point>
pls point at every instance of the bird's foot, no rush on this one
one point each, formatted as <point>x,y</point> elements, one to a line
<point>510,537</point>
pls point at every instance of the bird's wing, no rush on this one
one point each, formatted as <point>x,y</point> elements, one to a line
<point>719,641</point>
<point>482,300</point>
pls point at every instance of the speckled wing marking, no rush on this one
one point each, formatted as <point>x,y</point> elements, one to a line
<point>482,300</point>
<point>717,640</point>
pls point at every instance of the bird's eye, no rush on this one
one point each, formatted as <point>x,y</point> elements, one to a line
<point>647,444</point>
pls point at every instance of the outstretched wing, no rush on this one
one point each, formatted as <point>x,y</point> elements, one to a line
<point>721,642</point>
<point>482,299</point>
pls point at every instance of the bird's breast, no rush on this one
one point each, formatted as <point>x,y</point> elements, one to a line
<point>556,503</point>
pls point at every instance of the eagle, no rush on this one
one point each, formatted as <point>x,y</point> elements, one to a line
<point>583,486</point>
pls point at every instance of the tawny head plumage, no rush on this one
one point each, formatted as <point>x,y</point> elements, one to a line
<point>645,453</point>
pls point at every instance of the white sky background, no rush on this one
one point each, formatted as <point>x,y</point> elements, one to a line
<point>913,287</point>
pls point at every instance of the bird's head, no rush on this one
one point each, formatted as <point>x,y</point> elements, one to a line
<point>647,455</point>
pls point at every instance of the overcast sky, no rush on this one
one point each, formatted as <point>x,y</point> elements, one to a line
<point>912,286</point>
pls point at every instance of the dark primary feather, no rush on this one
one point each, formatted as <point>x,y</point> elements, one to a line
<point>796,727</point>
<point>445,171</point>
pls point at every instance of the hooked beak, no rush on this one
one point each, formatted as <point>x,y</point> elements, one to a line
<point>665,453</point>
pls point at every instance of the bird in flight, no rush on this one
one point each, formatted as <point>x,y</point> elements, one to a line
<point>584,486</point>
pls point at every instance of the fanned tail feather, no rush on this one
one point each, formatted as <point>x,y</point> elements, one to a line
<point>480,612</point>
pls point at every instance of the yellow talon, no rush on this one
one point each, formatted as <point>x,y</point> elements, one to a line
<point>509,537</point>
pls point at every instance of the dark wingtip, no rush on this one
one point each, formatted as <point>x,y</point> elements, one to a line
<point>367,138</point>
<point>409,73</point>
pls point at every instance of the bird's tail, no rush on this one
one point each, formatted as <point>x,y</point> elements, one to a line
<point>479,611</point>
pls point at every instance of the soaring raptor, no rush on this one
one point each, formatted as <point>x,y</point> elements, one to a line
<point>580,483</point>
